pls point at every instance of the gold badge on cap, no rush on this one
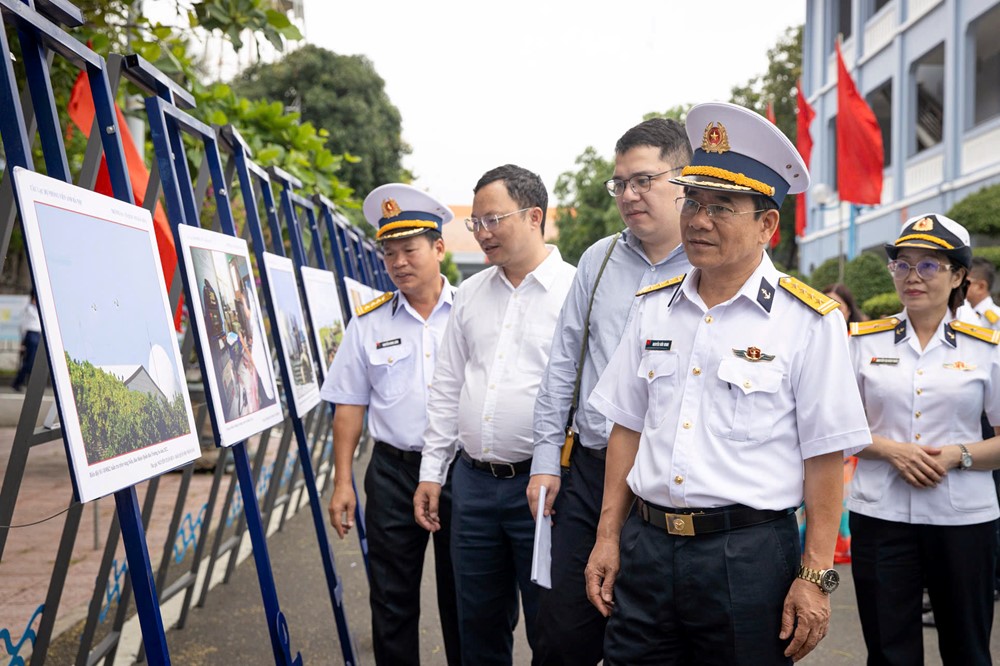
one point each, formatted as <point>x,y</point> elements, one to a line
<point>753,354</point>
<point>390,208</point>
<point>923,224</point>
<point>715,139</point>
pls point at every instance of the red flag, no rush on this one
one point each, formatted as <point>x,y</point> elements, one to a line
<point>804,143</point>
<point>770,113</point>
<point>859,143</point>
<point>81,112</point>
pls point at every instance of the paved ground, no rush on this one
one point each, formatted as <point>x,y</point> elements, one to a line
<point>210,639</point>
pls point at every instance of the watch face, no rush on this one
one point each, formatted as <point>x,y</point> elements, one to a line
<point>966,460</point>
<point>830,580</point>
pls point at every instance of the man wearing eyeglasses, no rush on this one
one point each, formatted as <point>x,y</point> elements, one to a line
<point>384,365</point>
<point>480,406</point>
<point>648,251</point>
<point>733,400</point>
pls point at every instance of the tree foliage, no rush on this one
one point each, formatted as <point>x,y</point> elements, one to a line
<point>979,212</point>
<point>778,87</point>
<point>865,275</point>
<point>585,213</point>
<point>347,96</point>
<point>115,420</point>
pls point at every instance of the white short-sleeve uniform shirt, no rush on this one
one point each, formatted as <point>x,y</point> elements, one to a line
<point>731,399</point>
<point>932,397</point>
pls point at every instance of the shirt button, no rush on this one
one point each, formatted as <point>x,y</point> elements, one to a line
<point>746,384</point>
<point>678,479</point>
<point>652,269</point>
<point>696,371</point>
<point>920,372</point>
<point>487,419</point>
<point>391,359</point>
<point>920,391</point>
<point>428,354</point>
<point>650,375</point>
<point>687,425</point>
<point>917,436</point>
<point>709,319</point>
<point>492,386</point>
<point>917,415</point>
<point>428,386</point>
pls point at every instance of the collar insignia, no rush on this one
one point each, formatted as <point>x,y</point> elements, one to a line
<point>753,354</point>
<point>390,208</point>
<point>765,295</point>
<point>715,139</point>
<point>900,332</point>
<point>949,335</point>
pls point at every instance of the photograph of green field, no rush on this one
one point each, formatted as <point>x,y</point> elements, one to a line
<point>116,418</point>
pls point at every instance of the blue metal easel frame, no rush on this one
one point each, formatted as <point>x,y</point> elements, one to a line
<point>246,171</point>
<point>167,125</point>
<point>38,35</point>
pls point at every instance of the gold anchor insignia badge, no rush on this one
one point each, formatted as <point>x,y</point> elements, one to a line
<point>715,139</point>
<point>765,293</point>
<point>390,208</point>
<point>753,354</point>
<point>923,224</point>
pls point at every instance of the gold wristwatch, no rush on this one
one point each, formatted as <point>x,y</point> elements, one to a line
<point>827,580</point>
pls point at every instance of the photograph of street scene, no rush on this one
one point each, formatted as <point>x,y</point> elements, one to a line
<point>298,357</point>
<point>125,408</point>
<point>325,313</point>
<point>231,319</point>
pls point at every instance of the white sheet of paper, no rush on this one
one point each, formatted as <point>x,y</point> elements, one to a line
<point>541,556</point>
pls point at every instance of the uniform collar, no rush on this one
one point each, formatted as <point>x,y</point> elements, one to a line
<point>945,333</point>
<point>447,296</point>
<point>758,289</point>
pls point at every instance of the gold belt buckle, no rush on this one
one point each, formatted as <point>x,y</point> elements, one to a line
<point>680,524</point>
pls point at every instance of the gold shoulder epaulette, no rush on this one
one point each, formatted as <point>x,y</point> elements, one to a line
<point>875,326</point>
<point>991,316</point>
<point>373,305</point>
<point>978,332</point>
<point>816,300</point>
<point>661,285</point>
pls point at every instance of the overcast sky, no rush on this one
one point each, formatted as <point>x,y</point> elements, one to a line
<point>536,82</point>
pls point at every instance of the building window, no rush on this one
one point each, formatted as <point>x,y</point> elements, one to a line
<point>928,80</point>
<point>880,100</point>
<point>877,5</point>
<point>986,91</point>
<point>839,23</point>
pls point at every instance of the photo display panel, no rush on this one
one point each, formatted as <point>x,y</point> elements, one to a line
<point>230,326</point>
<point>324,310</point>
<point>126,413</point>
<point>297,352</point>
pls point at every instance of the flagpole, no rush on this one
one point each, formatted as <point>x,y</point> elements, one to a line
<point>840,242</point>
<point>852,233</point>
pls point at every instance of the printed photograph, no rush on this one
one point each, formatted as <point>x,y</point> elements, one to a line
<point>324,312</point>
<point>297,352</point>
<point>105,315</point>
<point>360,293</point>
<point>231,332</point>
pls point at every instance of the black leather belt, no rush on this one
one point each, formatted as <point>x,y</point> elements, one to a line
<point>499,470</point>
<point>412,457</point>
<point>692,522</point>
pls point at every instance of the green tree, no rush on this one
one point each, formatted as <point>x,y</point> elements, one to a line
<point>979,212</point>
<point>777,87</point>
<point>865,275</point>
<point>585,212</point>
<point>347,96</point>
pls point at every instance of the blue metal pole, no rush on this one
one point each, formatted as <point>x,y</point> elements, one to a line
<point>852,233</point>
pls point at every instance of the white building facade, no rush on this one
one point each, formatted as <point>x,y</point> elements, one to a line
<point>930,70</point>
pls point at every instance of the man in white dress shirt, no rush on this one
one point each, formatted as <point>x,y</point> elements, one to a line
<point>733,400</point>
<point>384,364</point>
<point>480,407</point>
<point>979,298</point>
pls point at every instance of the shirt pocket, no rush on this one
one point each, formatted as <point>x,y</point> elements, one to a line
<point>871,478</point>
<point>742,409</point>
<point>533,352</point>
<point>391,369</point>
<point>659,370</point>
<point>971,490</point>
